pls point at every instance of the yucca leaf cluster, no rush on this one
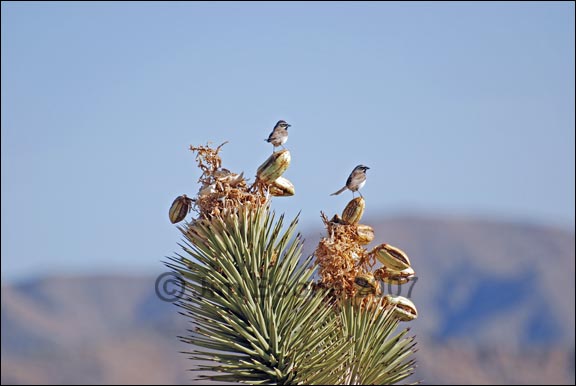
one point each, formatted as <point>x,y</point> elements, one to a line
<point>257,317</point>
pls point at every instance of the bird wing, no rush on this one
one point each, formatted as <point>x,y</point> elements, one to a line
<point>273,135</point>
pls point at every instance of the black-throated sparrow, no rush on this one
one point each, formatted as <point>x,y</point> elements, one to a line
<point>355,181</point>
<point>279,134</point>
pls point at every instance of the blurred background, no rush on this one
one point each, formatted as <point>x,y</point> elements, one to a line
<point>464,113</point>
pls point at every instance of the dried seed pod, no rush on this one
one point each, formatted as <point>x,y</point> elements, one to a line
<point>364,291</point>
<point>365,284</point>
<point>354,210</point>
<point>404,309</point>
<point>281,187</point>
<point>180,208</point>
<point>274,166</point>
<point>398,277</point>
<point>391,257</point>
<point>365,234</point>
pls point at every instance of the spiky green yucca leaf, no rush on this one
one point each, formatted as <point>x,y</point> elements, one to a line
<point>376,356</point>
<point>251,303</point>
<point>257,320</point>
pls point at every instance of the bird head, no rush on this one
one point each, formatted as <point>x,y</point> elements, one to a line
<point>282,124</point>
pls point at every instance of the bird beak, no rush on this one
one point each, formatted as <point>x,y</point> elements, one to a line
<point>288,125</point>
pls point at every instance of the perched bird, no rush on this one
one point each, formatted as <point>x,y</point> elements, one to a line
<point>279,134</point>
<point>355,181</point>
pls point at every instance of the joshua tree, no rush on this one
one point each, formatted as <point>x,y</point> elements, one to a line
<point>258,315</point>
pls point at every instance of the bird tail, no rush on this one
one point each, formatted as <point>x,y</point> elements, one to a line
<point>340,191</point>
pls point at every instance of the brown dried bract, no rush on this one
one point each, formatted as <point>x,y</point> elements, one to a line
<point>208,161</point>
<point>340,257</point>
<point>221,192</point>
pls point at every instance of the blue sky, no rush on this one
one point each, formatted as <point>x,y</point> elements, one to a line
<point>460,109</point>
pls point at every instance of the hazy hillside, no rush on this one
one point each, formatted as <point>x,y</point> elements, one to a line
<point>496,302</point>
<point>90,330</point>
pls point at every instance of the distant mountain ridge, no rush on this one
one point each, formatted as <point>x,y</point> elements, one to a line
<point>484,289</point>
